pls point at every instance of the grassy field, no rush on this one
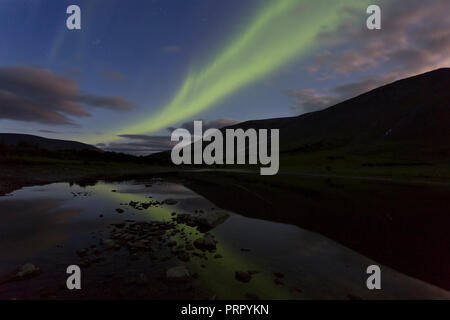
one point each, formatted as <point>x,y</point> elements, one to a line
<point>369,166</point>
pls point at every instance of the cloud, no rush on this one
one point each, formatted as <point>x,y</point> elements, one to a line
<point>47,131</point>
<point>139,144</point>
<point>113,102</point>
<point>112,75</point>
<point>309,100</point>
<point>171,49</point>
<point>279,33</point>
<point>352,89</point>
<point>213,124</point>
<point>34,94</point>
<point>58,132</point>
<point>347,62</point>
<point>413,39</point>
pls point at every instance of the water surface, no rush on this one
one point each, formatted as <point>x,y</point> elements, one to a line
<point>46,225</point>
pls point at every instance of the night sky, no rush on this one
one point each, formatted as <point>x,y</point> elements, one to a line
<point>138,68</point>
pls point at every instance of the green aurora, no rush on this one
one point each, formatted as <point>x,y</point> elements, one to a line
<point>279,33</point>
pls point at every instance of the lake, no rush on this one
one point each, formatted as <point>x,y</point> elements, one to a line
<point>61,224</point>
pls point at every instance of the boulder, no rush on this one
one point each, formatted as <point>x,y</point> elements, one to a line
<point>243,276</point>
<point>183,256</point>
<point>210,219</point>
<point>170,202</point>
<point>205,243</point>
<point>108,243</point>
<point>142,279</point>
<point>177,273</point>
<point>27,270</point>
<point>82,252</point>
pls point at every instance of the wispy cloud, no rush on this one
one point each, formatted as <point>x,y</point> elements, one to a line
<point>212,124</point>
<point>279,33</point>
<point>414,39</point>
<point>112,75</point>
<point>35,94</point>
<point>171,49</point>
<point>141,144</point>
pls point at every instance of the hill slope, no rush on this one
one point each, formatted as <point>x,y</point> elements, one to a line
<point>12,139</point>
<point>408,120</point>
<point>414,112</point>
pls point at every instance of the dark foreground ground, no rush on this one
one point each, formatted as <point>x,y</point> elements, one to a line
<point>401,225</point>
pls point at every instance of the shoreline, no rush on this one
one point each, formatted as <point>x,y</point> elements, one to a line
<point>367,217</point>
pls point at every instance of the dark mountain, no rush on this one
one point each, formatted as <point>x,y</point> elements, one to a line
<point>26,140</point>
<point>414,112</point>
<point>405,118</point>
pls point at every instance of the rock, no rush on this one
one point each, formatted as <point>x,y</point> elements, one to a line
<point>297,289</point>
<point>142,279</point>
<point>251,296</point>
<point>108,244</point>
<point>157,233</point>
<point>85,263</point>
<point>205,243</point>
<point>172,244</point>
<point>135,256</point>
<point>177,273</point>
<point>210,219</point>
<point>278,282</point>
<point>119,225</point>
<point>82,252</point>
<point>243,276</point>
<point>170,202</point>
<point>133,203</point>
<point>27,270</point>
<point>118,210</point>
<point>183,256</point>
<point>98,259</point>
<point>278,275</point>
<point>353,297</point>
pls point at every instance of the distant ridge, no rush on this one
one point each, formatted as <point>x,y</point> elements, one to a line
<point>408,118</point>
<point>14,139</point>
<point>414,112</point>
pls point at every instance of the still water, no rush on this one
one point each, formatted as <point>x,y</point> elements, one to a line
<point>46,225</point>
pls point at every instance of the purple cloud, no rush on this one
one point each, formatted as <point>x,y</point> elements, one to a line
<point>35,94</point>
<point>414,39</point>
<point>212,124</point>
